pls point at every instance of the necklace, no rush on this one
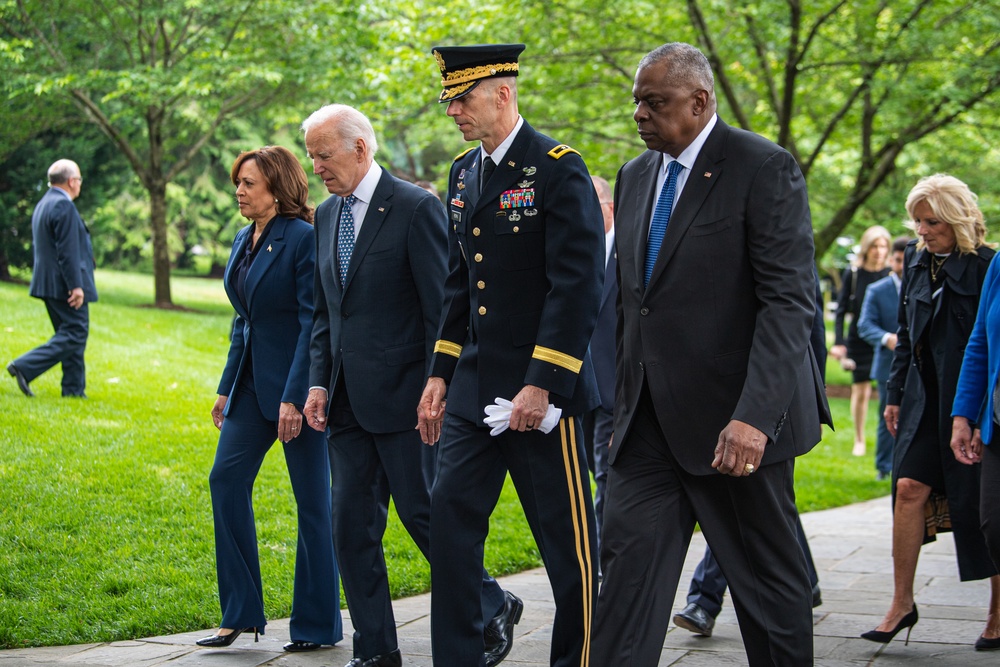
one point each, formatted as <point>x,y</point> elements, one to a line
<point>936,264</point>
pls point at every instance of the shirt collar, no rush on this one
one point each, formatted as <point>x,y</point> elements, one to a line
<point>690,154</point>
<point>366,188</point>
<point>62,192</point>
<point>501,150</point>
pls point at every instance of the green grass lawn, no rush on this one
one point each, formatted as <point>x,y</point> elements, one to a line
<point>105,515</point>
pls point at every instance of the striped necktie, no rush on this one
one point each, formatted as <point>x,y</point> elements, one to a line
<point>661,215</point>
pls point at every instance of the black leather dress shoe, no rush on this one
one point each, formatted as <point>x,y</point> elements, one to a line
<point>391,659</point>
<point>296,646</point>
<point>498,635</point>
<point>22,382</point>
<point>817,596</point>
<point>696,620</point>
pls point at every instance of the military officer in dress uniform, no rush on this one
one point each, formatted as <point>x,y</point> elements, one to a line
<point>527,258</point>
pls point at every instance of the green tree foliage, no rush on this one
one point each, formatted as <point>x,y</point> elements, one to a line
<point>849,87</point>
<point>160,79</point>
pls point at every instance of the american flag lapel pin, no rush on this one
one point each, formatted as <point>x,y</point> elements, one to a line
<point>708,174</point>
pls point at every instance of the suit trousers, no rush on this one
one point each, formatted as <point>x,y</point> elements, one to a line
<point>603,429</point>
<point>66,346</point>
<point>652,507</point>
<point>708,584</point>
<point>989,496</point>
<point>884,442</point>
<point>245,439</point>
<point>367,469</point>
<point>549,472</point>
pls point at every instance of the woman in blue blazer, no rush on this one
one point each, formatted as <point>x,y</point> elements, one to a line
<point>269,280</point>
<point>976,407</point>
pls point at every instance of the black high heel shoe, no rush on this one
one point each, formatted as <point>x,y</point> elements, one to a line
<point>884,637</point>
<point>217,641</point>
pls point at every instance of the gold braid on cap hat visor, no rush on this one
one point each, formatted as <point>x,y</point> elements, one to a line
<point>474,73</point>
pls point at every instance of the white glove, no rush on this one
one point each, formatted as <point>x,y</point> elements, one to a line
<point>498,417</point>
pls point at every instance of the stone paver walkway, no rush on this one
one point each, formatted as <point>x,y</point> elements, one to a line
<point>851,546</point>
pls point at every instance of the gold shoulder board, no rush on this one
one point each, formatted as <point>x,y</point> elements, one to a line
<point>463,153</point>
<point>561,150</point>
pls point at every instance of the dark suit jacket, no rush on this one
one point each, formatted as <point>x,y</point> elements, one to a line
<point>64,259</point>
<point>878,317</point>
<point>525,279</point>
<point>603,343</point>
<point>722,330</point>
<point>378,330</point>
<point>277,321</point>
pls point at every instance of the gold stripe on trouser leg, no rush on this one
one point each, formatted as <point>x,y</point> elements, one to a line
<point>580,527</point>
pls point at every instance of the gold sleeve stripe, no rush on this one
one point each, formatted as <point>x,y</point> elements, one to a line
<point>581,529</point>
<point>464,153</point>
<point>557,358</point>
<point>445,347</point>
<point>561,150</point>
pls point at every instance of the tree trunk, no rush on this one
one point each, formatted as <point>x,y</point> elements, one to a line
<point>161,250</point>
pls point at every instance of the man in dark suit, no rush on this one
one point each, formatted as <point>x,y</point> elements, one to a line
<point>877,325</point>
<point>717,389</point>
<point>381,265</point>
<point>63,277</point>
<point>601,421</point>
<point>521,302</point>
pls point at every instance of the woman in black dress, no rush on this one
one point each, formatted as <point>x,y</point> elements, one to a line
<point>854,353</point>
<point>943,275</point>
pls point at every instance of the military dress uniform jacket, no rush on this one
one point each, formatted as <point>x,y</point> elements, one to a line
<point>526,268</point>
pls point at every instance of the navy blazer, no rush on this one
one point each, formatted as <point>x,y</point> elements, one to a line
<point>879,313</point>
<point>722,330</point>
<point>378,329</point>
<point>277,322</point>
<point>64,258</point>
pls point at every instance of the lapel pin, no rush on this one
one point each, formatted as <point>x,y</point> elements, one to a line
<point>381,209</point>
<point>511,163</point>
<point>269,247</point>
<point>708,174</point>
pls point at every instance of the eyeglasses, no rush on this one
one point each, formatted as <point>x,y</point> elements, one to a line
<point>77,178</point>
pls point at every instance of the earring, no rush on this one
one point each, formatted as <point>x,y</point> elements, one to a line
<point>275,200</point>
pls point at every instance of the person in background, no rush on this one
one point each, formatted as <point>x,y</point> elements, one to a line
<point>63,278</point>
<point>600,421</point>
<point>975,416</point>
<point>853,352</point>
<point>943,273</point>
<point>877,325</point>
<point>269,281</point>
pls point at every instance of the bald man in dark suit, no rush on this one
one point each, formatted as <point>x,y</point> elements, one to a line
<point>63,278</point>
<point>718,390</point>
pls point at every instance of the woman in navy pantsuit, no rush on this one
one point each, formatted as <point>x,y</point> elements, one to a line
<point>269,280</point>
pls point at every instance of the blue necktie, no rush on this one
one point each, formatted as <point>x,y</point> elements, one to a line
<point>661,215</point>
<point>345,238</point>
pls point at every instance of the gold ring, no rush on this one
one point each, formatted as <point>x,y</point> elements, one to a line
<point>749,468</point>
